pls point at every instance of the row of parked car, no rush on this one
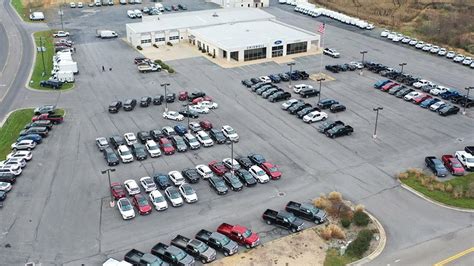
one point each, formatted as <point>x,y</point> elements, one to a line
<point>456,164</point>
<point>168,140</point>
<point>31,136</point>
<point>428,47</point>
<point>352,66</point>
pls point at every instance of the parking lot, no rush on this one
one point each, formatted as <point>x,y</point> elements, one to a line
<point>70,221</point>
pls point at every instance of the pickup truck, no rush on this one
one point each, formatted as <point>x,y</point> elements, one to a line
<point>144,68</point>
<point>466,159</point>
<point>306,211</point>
<point>137,257</point>
<point>172,255</point>
<point>218,241</point>
<point>469,149</point>
<point>283,219</point>
<point>436,166</point>
<point>195,248</point>
<point>239,234</point>
<point>338,131</point>
<point>452,164</point>
<point>55,119</point>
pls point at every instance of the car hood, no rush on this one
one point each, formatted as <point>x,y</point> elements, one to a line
<point>210,253</point>
<point>231,246</point>
<point>252,238</point>
<point>188,260</point>
<point>298,222</point>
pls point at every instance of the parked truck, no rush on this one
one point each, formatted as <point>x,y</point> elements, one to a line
<point>172,255</point>
<point>239,234</point>
<point>137,257</point>
<point>55,119</point>
<point>106,34</point>
<point>306,211</point>
<point>436,166</point>
<point>195,248</point>
<point>218,241</point>
<point>466,159</point>
<point>452,164</point>
<point>63,76</point>
<point>283,219</point>
<point>469,149</point>
<point>144,68</point>
<point>114,262</point>
<point>66,66</point>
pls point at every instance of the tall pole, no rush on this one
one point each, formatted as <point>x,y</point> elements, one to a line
<point>189,115</point>
<point>363,55</point>
<point>42,55</point>
<point>166,93</point>
<point>376,120</point>
<point>291,70</point>
<point>107,171</point>
<point>467,97</point>
<point>402,64</point>
<point>61,16</point>
<point>320,87</point>
<point>232,155</point>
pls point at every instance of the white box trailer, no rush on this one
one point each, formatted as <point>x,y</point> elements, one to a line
<point>106,34</point>
<point>64,76</point>
<point>66,66</point>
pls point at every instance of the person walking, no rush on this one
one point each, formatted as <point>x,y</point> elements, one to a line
<point>103,69</point>
<point>110,69</point>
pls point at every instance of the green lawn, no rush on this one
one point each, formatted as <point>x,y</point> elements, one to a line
<point>445,197</point>
<point>20,9</point>
<point>47,38</point>
<point>334,259</point>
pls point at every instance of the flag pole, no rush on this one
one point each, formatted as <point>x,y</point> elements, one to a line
<point>321,30</point>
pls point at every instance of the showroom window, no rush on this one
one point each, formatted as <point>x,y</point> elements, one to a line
<point>160,39</point>
<point>174,38</point>
<point>277,51</point>
<point>146,41</point>
<point>254,54</point>
<point>294,48</point>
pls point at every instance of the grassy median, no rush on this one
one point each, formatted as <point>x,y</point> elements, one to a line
<point>20,9</point>
<point>45,39</point>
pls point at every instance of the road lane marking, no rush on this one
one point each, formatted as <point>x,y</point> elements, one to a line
<point>454,257</point>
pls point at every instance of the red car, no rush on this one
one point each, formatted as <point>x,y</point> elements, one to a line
<point>452,164</point>
<point>421,98</point>
<point>183,96</point>
<point>206,124</point>
<point>218,168</point>
<point>271,170</point>
<point>166,146</point>
<point>141,203</point>
<point>388,86</point>
<point>117,190</point>
<point>200,99</point>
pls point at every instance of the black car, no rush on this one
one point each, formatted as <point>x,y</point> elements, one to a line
<point>129,104</point>
<point>179,144</point>
<point>448,110</point>
<point>396,89</point>
<point>3,195</point>
<point>254,80</point>
<point>217,136</point>
<point>170,97</point>
<point>246,178</point>
<point>42,131</point>
<point>196,95</point>
<point>40,123</point>
<point>145,101</point>
<point>191,175</point>
<point>279,96</point>
<point>301,113</point>
<point>303,75</point>
<point>110,156</point>
<point>158,100</point>
<point>403,92</point>
<point>189,113</point>
<point>218,185</point>
<point>339,130</point>
<point>293,75</point>
<point>257,159</point>
<point>156,134</point>
<point>332,68</point>
<point>54,84</point>
<point>297,107</point>
<point>337,108</point>
<point>233,182</point>
<point>115,106</point>
<point>139,151</point>
<point>143,136</point>
<point>116,141</point>
<point>247,83</point>
<point>244,162</point>
<point>182,7</point>
<point>284,77</point>
<point>275,78</point>
<point>8,178</point>
<point>326,103</point>
<point>325,126</point>
<point>162,180</point>
<point>305,93</point>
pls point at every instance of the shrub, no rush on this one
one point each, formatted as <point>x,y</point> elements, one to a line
<point>361,218</point>
<point>335,196</point>
<point>458,192</point>
<point>170,70</point>
<point>449,188</point>
<point>326,233</point>
<point>402,176</point>
<point>139,47</point>
<point>440,186</point>
<point>470,190</point>
<point>322,202</point>
<point>359,208</point>
<point>332,231</point>
<point>360,245</point>
<point>169,44</point>
<point>345,222</point>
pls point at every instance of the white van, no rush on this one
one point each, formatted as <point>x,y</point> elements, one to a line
<point>37,16</point>
<point>64,76</point>
<point>131,14</point>
<point>138,13</point>
<point>160,7</point>
<point>123,2</point>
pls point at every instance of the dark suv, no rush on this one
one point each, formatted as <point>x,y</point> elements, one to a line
<point>129,104</point>
<point>145,101</point>
<point>110,156</point>
<point>116,141</point>
<point>309,93</point>
<point>217,136</point>
<point>139,151</point>
<point>156,134</point>
<point>143,136</point>
<point>158,100</point>
<point>115,106</point>
<point>54,84</point>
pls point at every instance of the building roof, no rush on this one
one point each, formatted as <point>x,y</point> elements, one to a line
<point>248,34</point>
<point>196,19</point>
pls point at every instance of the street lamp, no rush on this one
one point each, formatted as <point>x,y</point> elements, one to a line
<point>402,64</point>
<point>291,70</point>
<point>61,13</point>
<point>467,98</point>
<point>187,110</point>
<point>42,49</point>
<point>166,102</point>
<point>363,55</point>
<point>232,155</point>
<point>320,80</point>
<point>377,109</point>
<point>107,171</point>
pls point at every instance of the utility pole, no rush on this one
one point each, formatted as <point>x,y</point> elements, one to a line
<point>467,98</point>
<point>166,93</point>
<point>107,171</point>
<point>232,155</point>
<point>377,109</point>
<point>61,13</point>
<point>320,80</point>
<point>363,55</point>
<point>402,64</point>
<point>42,48</point>
<point>291,70</point>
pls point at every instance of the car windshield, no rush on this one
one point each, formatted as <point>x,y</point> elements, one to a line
<point>125,152</point>
<point>179,142</point>
<point>167,144</point>
<point>470,160</point>
<point>224,240</point>
<point>131,137</point>
<point>273,169</point>
<point>205,137</point>
<point>260,173</point>
<point>142,201</point>
<point>192,140</point>
<point>230,130</point>
<point>202,248</point>
<point>219,183</point>
<point>457,165</point>
<point>159,199</point>
<point>126,206</point>
<point>153,147</point>
<point>188,190</point>
<point>247,233</point>
<point>173,193</point>
<point>180,255</point>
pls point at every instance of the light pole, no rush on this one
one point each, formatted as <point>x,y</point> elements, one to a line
<point>377,109</point>
<point>320,80</point>
<point>107,171</point>
<point>402,65</point>
<point>467,97</point>
<point>291,70</point>
<point>42,48</point>
<point>166,102</point>
<point>232,155</point>
<point>363,55</point>
<point>61,13</point>
<point>187,110</point>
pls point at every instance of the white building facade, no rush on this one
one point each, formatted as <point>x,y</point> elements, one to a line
<point>241,3</point>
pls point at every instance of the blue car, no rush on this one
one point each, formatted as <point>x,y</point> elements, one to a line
<point>180,129</point>
<point>426,103</point>
<point>275,78</point>
<point>293,75</point>
<point>34,137</point>
<point>449,94</point>
<point>380,83</point>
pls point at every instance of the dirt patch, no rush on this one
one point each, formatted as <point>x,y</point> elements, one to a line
<point>303,248</point>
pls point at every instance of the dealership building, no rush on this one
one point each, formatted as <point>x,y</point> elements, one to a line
<point>240,34</point>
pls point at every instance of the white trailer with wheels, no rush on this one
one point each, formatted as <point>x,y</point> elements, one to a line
<point>64,76</point>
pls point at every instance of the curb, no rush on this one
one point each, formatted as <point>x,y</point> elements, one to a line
<point>421,195</point>
<point>380,247</point>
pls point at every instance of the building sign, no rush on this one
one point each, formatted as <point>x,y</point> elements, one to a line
<point>278,42</point>
<point>255,46</point>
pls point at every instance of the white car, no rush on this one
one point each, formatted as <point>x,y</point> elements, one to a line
<point>101,143</point>
<point>471,65</point>
<point>4,186</point>
<point>289,103</point>
<point>412,95</point>
<point>384,33</point>
<point>132,187</point>
<point>176,177</point>
<point>61,34</point>
<point>434,49</point>
<point>438,90</point>
<point>174,196</point>
<point>406,40</point>
<point>199,109</point>
<point>466,159</point>
<point>130,138</point>
<point>231,164</point>
<point>436,106</point>
<point>152,148</point>
<point>25,144</point>
<point>265,79</point>
<point>11,168</point>
<point>192,141</point>
<point>467,61</point>
<point>80,5</point>
<point>188,193</point>
<point>420,45</point>
<point>370,27</point>
<point>72,5</point>
<point>204,171</point>
<point>299,87</point>
<point>158,200</point>
<point>331,52</point>
<point>358,65</point>
<point>195,127</point>
<point>398,38</point>
<point>413,42</point>
<point>230,133</point>
<point>259,174</point>
<point>126,209</point>
<point>168,131</point>
<point>421,83</point>
<point>442,52</point>
<point>15,161</point>
<point>208,104</point>
<point>450,55</point>
<point>125,154</point>
<point>27,155</point>
<point>392,35</point>
<point>147,184</point>
<point>459,58</point>
<point>427,47</point>
<point>173,115</point>
<point>204,139</point>
<point>315,116</point>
